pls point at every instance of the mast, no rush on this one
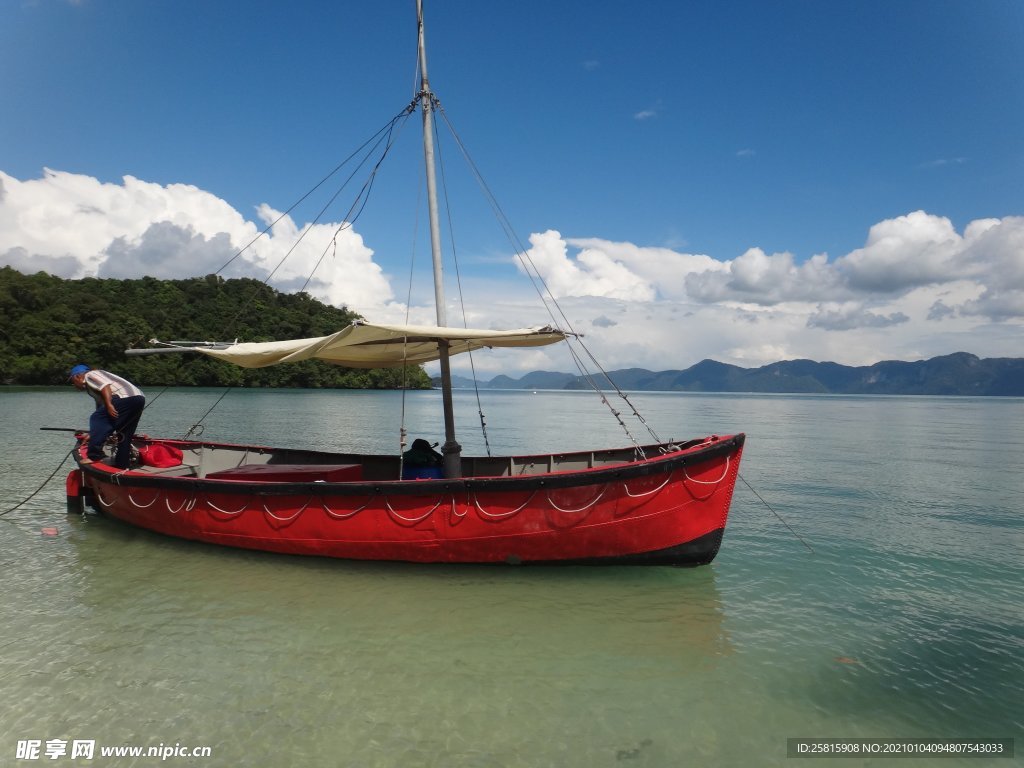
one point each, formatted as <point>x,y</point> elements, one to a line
<point>451,450</point>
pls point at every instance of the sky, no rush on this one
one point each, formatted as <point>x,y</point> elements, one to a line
<point>744,181</point>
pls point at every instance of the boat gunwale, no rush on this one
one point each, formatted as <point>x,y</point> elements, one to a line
<point>496,484</point>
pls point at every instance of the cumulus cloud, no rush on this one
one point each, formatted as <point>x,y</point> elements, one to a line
<point>852,316</point>
<point>20,259</point>
<point>661,272</point>
<point>66,214</point>
<point>940,310</point>
<point>593,272</point>
<point>148,254</point>
<point>766,279</point>
<point>75,226</point>
<point>997,304</point>
<point>901,255</point>
<point>917,287</point>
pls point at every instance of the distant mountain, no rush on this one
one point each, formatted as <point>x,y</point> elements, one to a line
<point>958,374</point>
<point>535,380</point>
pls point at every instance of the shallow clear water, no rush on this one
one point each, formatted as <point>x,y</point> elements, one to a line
<point>906,620</point>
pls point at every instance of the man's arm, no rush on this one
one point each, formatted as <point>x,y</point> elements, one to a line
<point>108,400</point>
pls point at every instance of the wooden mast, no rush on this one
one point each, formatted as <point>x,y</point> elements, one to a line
<point>451,450</point>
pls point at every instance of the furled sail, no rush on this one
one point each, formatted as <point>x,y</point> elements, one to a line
<point>362,345</point>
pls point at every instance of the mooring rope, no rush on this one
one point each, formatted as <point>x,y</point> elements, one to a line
<point>197,428</point>
<point>797,535</point>
<point>37,490</point>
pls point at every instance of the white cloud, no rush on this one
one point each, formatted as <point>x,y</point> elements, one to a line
<point>343,269</point>
<point>757,277</point>
<point>917,287</point>
<point>850,316</point>
<point>75,226</point>
<point>594,272</point>
<point>661,271</point>
<point>901,253</point>
<point>148,254</point>
<point>943,161</point>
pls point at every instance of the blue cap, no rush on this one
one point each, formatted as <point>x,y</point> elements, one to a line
<point>77,370</point>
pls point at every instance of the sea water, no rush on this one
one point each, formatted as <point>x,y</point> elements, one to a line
<point>868,586</point>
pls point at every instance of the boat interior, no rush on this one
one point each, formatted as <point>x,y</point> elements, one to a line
<point>214,461</point>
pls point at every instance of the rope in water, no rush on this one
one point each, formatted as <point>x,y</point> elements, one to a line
<point>781,520</point>
<point>47,480</point>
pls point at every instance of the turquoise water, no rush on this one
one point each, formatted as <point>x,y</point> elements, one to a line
<point>905,620</point>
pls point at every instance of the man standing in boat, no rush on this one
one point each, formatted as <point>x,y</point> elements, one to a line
<point>119,406</point>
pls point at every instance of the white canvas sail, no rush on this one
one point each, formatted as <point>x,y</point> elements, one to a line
<point>362,345</point>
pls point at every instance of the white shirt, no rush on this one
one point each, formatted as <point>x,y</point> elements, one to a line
<point>96,380</point>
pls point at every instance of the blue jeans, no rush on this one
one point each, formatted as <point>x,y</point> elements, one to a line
<point>101,426</point>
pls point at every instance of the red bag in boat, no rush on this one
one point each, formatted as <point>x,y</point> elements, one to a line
<point>159,455</point>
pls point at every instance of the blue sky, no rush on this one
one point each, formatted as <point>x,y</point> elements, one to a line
<point>746,181</point>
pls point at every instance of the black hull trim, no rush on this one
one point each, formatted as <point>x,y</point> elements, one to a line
<point>700,551</point>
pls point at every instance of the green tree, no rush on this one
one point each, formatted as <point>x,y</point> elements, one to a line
<point>48,324</point>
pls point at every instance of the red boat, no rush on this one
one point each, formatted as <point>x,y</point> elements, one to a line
<point>594,507</point>
<point>660,503</point>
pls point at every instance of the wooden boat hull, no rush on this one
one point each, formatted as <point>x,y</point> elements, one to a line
<point>670,509</point>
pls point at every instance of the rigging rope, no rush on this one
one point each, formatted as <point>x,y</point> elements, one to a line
<point>197,428</point>
<point>548,299</point>
<point>375,140</point>
<point>402,433</point>
<point>361,199</point>
<point>458,281</point>
<point>370,145</point>
<point>386,135</point>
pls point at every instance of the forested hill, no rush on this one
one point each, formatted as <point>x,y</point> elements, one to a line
<point>48,324</point>
<point>958,374</point>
